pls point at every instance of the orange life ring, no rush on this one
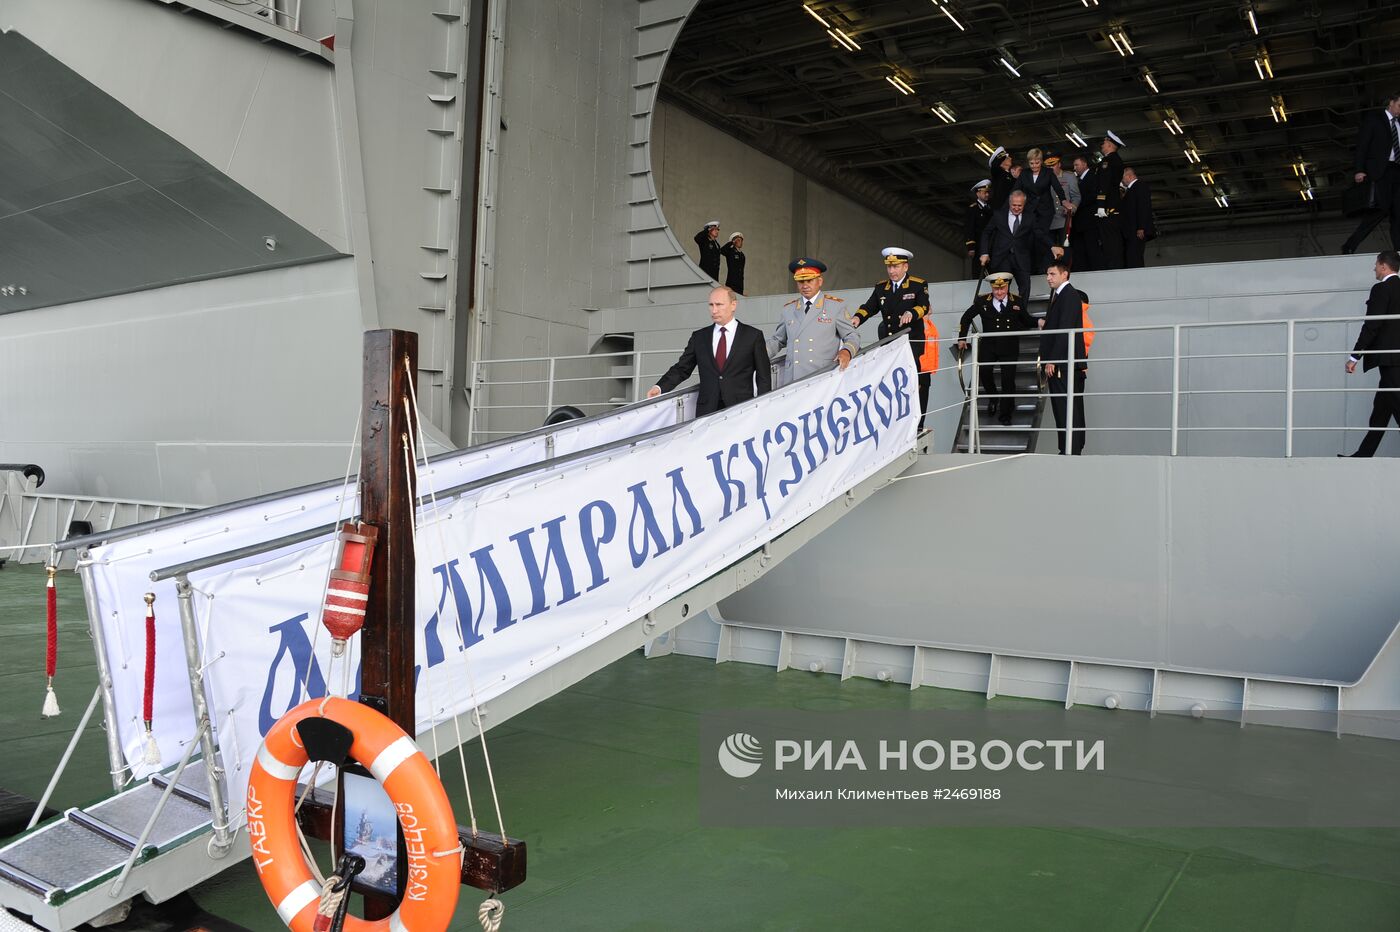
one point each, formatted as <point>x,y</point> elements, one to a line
<point>425,814</point>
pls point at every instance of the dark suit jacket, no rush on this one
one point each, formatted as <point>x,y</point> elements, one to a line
<point>1039,203</point>
<point>1065,313</point>
<point>1014,318</point>
<point>1380,334</point>
<point>975,222</point>
<point>1373,145</point>
<point>1003,250</point>
<point>746,363</point>
<point>1137,211</point>
<point>1110,176</point>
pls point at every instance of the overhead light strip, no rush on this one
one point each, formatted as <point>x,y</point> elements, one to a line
<point>1151,82</point>
<point>816,16</point>
<point>949,13</point>
<point>843,40</point>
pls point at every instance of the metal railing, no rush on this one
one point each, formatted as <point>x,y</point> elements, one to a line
<point>546,383</point>
<point>1289,390</point>
<point>283,13</point>
<point>543,383</point>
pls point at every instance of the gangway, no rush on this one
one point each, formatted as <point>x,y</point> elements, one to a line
<point>167,829</point>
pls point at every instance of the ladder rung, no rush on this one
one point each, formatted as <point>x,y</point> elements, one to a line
<point>97,826</point>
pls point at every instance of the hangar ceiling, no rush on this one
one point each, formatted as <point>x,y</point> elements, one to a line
<point>1237,111</point>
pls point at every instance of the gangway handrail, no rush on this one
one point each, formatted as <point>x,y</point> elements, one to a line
<point>135,530</point>
<point>203,563</point>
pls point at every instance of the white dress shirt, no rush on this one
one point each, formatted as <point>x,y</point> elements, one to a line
<point>730,328</point>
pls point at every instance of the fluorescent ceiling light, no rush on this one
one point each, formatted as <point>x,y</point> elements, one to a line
<point>816,16</point>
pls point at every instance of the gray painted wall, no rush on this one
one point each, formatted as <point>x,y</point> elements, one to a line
<point>256,110</point>
<point>198,393</point>
<point>562,225</point>
<point>1265,567</point>
<point>703,174</point>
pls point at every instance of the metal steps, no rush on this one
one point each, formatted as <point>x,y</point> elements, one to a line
<point>1020,435</point>
<point>57,872</point>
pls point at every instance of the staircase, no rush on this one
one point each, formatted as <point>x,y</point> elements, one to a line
<point>1020,435</point>
<point>69,870</point>
<point>659,270</point>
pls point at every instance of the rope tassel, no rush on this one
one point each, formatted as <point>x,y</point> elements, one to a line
<point>51,647</point>
<point>152,755</point>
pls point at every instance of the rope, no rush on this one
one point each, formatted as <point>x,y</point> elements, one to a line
<point>148,698</point>
<point>466,664</point>
<point>490,914</point>
<point>407,444</point>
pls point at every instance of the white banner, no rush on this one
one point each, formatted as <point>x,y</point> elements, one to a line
<point>120,571</point>
<point>524,572</point>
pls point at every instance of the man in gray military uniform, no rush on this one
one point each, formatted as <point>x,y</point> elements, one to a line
<point>815,328</point>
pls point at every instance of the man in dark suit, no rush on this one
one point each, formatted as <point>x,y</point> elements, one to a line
<point>1011,239</point>
<point>1377,154</point>
<point>1084,235</point>
<point>1378,347</point>
<point>1066,312</point>
<point>731,357</point>
<point>1109,202</point>
<point>1139,228</point>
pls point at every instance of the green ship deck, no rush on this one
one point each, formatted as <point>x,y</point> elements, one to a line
<point>601,783</point>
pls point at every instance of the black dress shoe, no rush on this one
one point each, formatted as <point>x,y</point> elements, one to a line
<point>1005,419</point>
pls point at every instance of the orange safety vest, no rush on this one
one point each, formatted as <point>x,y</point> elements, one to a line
<point>928,361</point>
<point>1088,327</point>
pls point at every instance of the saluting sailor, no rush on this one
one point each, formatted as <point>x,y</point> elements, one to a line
<point>902,303</point>
<point>816,328</point>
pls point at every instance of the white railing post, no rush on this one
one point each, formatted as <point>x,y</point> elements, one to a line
<point>637,375</point>
<point>549,389</point>
<point>1288,397</point>
<point>471,402</point>
<point>1069,394</point>
<point>1176,385</point>
<point>972,422</point>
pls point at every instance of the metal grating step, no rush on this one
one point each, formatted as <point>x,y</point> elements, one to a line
<point>129,812</point>
<point>60,858</point>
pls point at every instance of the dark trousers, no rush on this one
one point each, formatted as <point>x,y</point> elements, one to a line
<point>1057,386</point>
<point>1385,407</point>
<point>1134,250</point>
<point>987,372</point>
<point>1110,242</point>
<point>925,380</point>
<point>1387,204</point>
<point>1084,245</point>
<point>1023,278</point>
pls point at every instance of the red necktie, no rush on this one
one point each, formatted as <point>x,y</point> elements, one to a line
<point>722,351</point>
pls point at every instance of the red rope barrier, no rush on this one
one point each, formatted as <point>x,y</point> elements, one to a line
<point>51,647</point>
<point>152,755</point>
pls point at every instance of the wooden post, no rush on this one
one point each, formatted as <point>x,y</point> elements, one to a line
<point>388,492</point>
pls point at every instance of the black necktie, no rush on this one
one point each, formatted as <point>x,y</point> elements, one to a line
<point>1015,222</point>
<point>721,351</point>
<point>1394,138</point>
<point>807,307</point>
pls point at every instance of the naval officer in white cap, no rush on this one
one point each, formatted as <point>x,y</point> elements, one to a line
<point>1110,202</point>
<point>901,301</point>
<point>708,241</point>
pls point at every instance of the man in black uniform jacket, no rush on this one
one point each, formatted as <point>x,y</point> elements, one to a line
<point>708,241</point>
<point>902,303</point>
<point>1000,312</point>
<point>733,252</point>
<point>1084,235</point>
<point>978,213</point>
<point>1066,313</point>
<point>1010,241</point>
<point>1139,228</point>
<point>1109,203</point>
<point>731,356</point>
<point>1378,336</point>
